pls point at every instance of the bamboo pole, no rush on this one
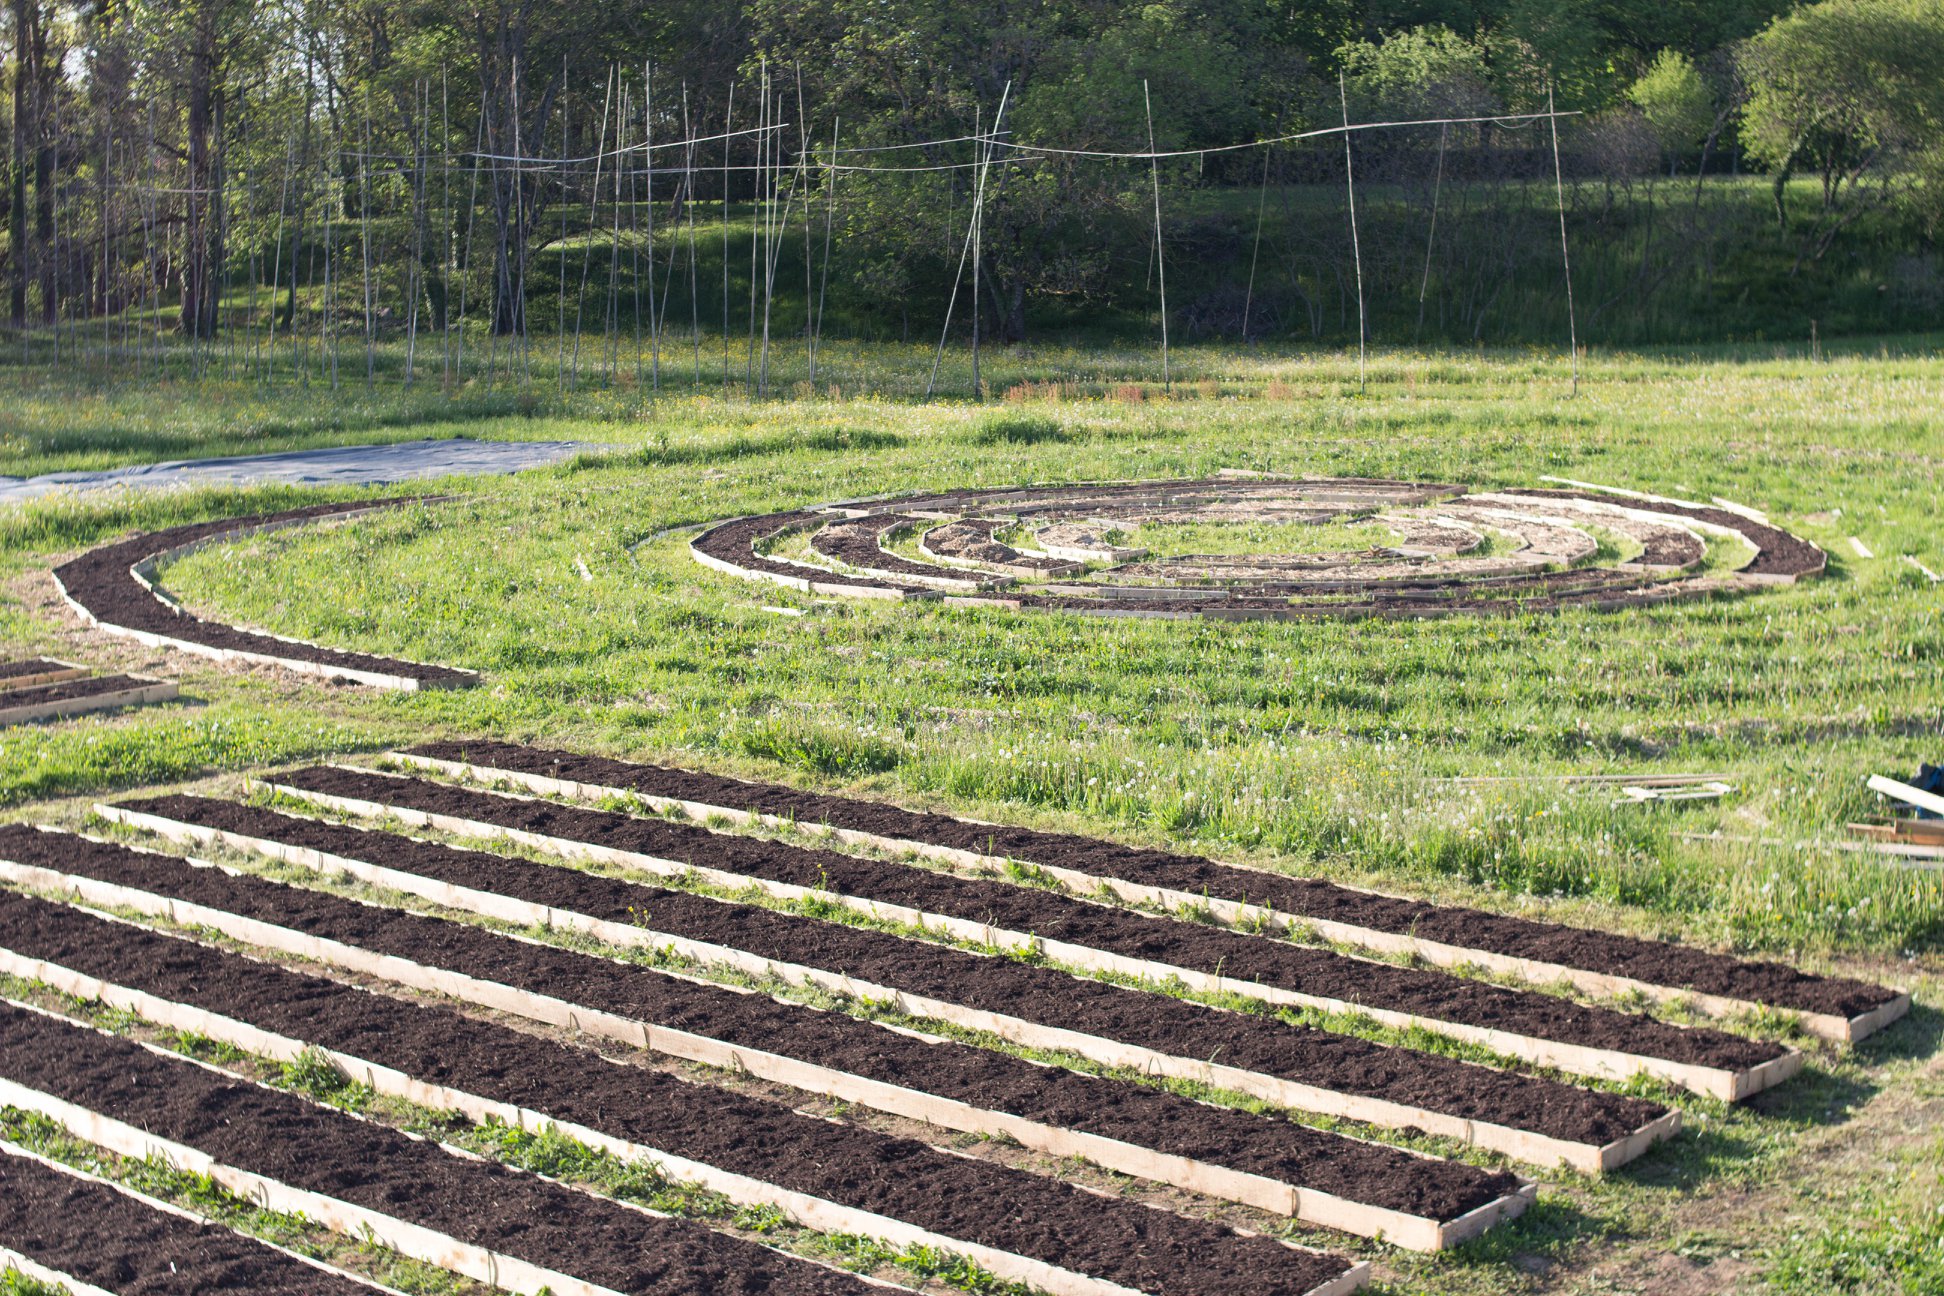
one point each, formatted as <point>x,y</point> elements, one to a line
<point>364,199</point>
<point>830,214</point>
<point>593,215</point>
<point>1356,247</point>
<point>694,288</point>
<point>1565,255</point>
<point>1160,253</point>
<point>648,155</point>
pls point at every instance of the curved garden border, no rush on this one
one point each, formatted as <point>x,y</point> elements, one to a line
<point>115,588</point>
<point>845,553</point>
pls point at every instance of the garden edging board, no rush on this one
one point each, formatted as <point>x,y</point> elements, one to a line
<point>1523,1144</point>
<point>1728,1083</point>
<point>840,1078</point>
<point>89,589</point>
<point>808,1209</point>
<point>169,1235</point>
<point>850,820</point>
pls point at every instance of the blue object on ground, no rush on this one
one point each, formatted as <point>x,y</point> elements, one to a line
<point>358,465</point>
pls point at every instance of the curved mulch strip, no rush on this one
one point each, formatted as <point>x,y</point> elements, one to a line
<point>109,588</point>
<point>1269,586</point>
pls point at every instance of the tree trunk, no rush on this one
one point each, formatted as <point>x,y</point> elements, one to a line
<point>201,244</point>
<point>24,14</point>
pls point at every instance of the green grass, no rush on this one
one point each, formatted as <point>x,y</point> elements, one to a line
<point>1320,748</point>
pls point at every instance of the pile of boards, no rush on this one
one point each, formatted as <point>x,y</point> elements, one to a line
<point>636,910</point>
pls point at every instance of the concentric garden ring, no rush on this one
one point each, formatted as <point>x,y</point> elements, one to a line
<point>1436,550</point>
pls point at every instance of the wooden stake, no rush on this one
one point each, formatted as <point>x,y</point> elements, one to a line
<point>830,215</point>
<point>1356,248</point>
<point>1160,254</point>
<point>1565,256</point>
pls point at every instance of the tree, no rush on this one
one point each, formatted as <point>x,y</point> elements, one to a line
<point>1848,90</point>
<point>1675,102</point>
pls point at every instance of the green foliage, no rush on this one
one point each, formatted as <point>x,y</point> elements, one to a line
<point>1675,101</point>
<point>1019,429</point>
<point>1843,86</point>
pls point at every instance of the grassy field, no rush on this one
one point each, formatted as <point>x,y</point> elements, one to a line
<point>1321,747</point>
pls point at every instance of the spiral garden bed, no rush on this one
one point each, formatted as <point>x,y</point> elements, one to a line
<point>116,589</point>
<point>1434,550</point>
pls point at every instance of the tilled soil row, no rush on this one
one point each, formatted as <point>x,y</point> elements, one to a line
<point>1354,916</point>
<point>114,1241</point>
<point>101,583</point>
<point>1097,1016</point>
<point>12,673</point>
<point>957,1199</point>
<point>1434,999</point>
<point>320,1150</point>
<point>1781,555</point>
<point>65,690</point>
<point>989,1082</point>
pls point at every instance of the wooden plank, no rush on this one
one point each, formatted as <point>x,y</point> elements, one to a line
<point>149,691</point>
<point>1918,832</point>
<point>27,1267</point>
<point>1436,953</point>
<point>1301,1203</point>
<point>1538,1149</point>
<point>1907,794</point>
<point>1579,1059</point>
<point>52,671</point>
<point>805,1209</point>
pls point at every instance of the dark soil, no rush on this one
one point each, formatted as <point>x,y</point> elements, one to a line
<point>63,690</point>
<point>972,540</point>
<point>856,542</point>
<point>1024,992</point>
<point>1655,962</point>
<point>1436,995</point>
<point>735,542</point>
<point>101,581</point>
<point>1781,554</point>
<point>31,666</point>
<point>1129,1113</point>
<point>99,1236</point>
<point>959,1197</point>
<point>308,1146</point>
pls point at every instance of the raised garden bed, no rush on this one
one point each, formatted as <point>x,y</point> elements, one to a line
<point>1603,963</point>
<point>38,670</point>
<point>1118,1125</point>
<point>23,705</point>
<point>66,1228</point>
<point>1548,528</point>
<point>1536,1120</point>
<point>825,1175</point>
<point>509,1229</point>
<point>860,545</point>
<point>1531,1026</point>
<point>114,588</point>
